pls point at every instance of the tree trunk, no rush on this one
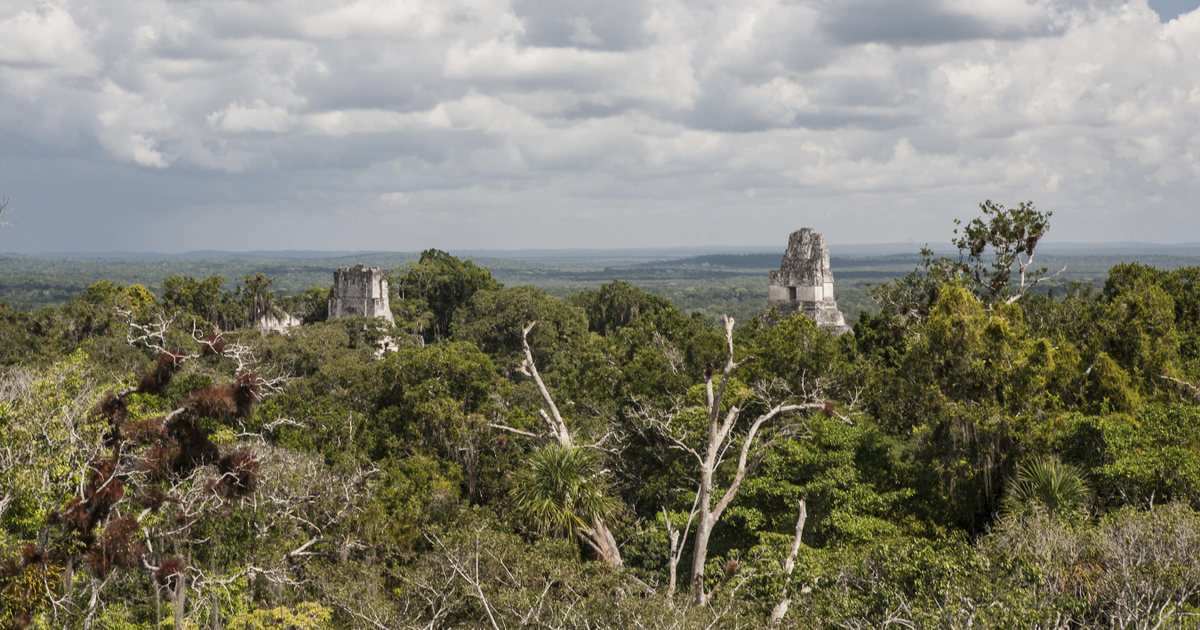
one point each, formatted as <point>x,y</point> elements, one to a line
<point>610,553</point>
<point>180,599</point>
<point>214,618</point>
<point>600,535</point>
<point>784,599</point>
<point>704,527</point>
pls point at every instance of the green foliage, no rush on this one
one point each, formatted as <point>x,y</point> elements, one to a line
<point>615,305</point>
<point>303,616</point>
<point>385,499</point>
<point>415,492</point>
<point>808,359</point>
<point>202,299</point>
<point>881,339</point>
<point>1183,286</point>
<point>309,307</point>
<point>1048,484</point>
<point>256,297</point>
<point>561,491</point>
<point>976,390</point>
<point>850,476</point>
<point>1009,235</point>
<point>433,400</point>
<point>430,290</point>
<point>493,320</point>
<point>1150,457</point>
<point>46,437</point>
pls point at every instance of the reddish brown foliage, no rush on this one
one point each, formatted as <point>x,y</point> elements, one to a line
<point>100,564</point>
<point>247,388</point>
<point>213,345</point>
<point>154,498</point>
<point>211,403</point>
<point>32,554</point>
<point>239,475</point>
<point>156,380</point>
<point>195,449</point>
<point>104,488</point>
<point>145,431</point>
<point>112,408</point>
<point>158,462</point>
<point>119,546</point>
<point>169,571</point>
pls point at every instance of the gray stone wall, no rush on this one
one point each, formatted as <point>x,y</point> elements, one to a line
<point>359,292</point>
<point>804,282</point>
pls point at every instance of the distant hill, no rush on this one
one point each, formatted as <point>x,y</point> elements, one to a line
<point>203,254</point>
<point>728,256</point>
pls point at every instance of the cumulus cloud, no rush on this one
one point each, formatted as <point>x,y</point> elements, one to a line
<point>514,123</point>
<point>43,36</point>
<point>258,116</point>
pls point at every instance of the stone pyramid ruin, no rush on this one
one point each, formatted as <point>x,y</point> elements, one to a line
<point>804,282</point>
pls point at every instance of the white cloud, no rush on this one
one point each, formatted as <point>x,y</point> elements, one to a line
<point>143,151</point>
<point>582,110</point>
<point>42,36</point>
<point>258,116</point>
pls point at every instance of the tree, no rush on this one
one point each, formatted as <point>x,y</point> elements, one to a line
<point>433,288</point>
<point>562,491</point>
<point>720,416</point>
<point>975,390</point>
<point>1010,235</point>
<point>1051,485</point>
<point>615,305</point>
<point>257,298</point>
<point>309,307</point>
<point>553,474</point>
<point>160,442</point>
<point>494,321</point>
<point>3,211</point>
<point>199,298</point>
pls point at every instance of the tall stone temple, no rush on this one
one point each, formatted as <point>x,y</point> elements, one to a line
<point>804,282</point>
<point>359,292</point>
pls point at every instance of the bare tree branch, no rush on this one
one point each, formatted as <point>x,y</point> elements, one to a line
<point>788,565</point>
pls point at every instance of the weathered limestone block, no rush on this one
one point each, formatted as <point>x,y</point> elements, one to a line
<point>804,282</point>
<point>359,292</point>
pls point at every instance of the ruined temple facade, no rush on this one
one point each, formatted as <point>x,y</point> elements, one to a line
<point>804,282</point>
<point>359,292</point>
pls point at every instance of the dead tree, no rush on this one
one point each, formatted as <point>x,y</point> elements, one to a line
<point>597,535</point>
<point>785,599</point>
<point>714,452</point>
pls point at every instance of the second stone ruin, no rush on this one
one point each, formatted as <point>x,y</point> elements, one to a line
<point>359,292</point>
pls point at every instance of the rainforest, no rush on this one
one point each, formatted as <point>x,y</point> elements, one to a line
<point>980,451</point>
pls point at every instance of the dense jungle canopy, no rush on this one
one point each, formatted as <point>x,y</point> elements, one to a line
<point>973,454</point>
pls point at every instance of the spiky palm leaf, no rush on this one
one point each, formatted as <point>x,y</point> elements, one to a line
<point>1058,488</point>
<point>561,490</point>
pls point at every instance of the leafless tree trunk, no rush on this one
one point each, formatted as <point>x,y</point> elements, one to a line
<point>179,598</point>
<point>785,599</point>
<point>719,439</point>
<point>4,210</point>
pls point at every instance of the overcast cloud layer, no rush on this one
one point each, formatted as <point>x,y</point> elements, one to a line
<point>404,124</point>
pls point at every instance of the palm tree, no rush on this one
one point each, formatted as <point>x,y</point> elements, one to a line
<point>1058,488</point>
<point>562,492</point>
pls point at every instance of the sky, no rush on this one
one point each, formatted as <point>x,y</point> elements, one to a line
<point>399,125</point>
